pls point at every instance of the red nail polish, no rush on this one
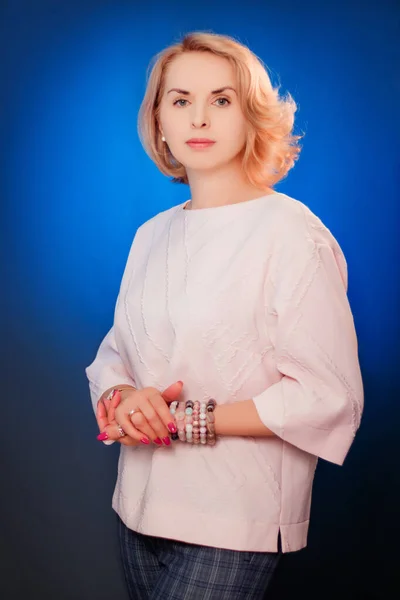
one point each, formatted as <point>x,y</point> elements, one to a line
<point>102,436</point>
<point>145,440</point>
<point>158,442</point>
<point>172,427</point>
<point>166,441</point>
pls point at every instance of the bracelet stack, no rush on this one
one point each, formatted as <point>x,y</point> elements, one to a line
<point>195,421</point>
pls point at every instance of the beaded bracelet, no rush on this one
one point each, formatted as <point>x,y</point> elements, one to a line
<point>180,421</point>
<point>172,409</point>
<point>195,421</point>
<point>211,404</point>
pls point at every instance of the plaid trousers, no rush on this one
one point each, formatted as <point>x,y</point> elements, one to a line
<point>164,569</point>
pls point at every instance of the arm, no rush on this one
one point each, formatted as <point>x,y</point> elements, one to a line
<point>107,370</point>
<point>240,418</point>
<point>318,402</point>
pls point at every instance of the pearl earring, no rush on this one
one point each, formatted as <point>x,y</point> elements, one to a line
<point>163,138</point>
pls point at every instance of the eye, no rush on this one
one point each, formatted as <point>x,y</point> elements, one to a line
<point>228,101</point>
<point>184,100</point>
<point>180,100</point>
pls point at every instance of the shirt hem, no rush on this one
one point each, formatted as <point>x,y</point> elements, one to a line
<point>246,536</point>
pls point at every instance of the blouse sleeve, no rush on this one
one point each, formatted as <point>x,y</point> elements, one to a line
<point>107,369</point>
<point>318,402</point>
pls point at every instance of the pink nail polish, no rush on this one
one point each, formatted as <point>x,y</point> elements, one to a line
<point>166,441</point>
<point>102,436</point>
<point>172,427</point>
<point>158,442</point>
<point>145,440</point>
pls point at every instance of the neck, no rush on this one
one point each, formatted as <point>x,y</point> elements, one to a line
<point>227,186</point>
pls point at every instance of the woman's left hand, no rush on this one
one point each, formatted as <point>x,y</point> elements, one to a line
<point>105,416</point>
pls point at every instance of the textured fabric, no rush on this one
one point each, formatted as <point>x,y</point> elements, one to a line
<point>240,301</point>
<point>160,569</point>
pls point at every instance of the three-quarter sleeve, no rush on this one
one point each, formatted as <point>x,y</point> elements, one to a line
<point>318,402</point>
<point>107,369</point>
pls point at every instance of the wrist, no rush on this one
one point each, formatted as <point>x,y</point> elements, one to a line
<point>194,421</point>
<point>240,418</point>
<point>125,391</point>
<point>123,388</point>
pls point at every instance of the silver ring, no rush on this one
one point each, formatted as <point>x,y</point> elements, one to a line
<point>130,413</point>
<point>120,430</point>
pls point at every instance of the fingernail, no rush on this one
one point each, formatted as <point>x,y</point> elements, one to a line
<point>179,381</point>
<point>158,442</point>
<point>145,440</point>
<point>102,436</point>
<point>172,427</point>
<point>166,441</point>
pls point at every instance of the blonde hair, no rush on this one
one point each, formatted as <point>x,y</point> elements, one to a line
<point>271,149</point>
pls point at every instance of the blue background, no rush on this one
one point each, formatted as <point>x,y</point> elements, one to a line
<point>75,185</point>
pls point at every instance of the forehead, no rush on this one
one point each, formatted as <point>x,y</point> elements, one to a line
<point>199,70</point>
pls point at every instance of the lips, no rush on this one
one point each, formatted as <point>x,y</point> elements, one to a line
<point>200,143</point>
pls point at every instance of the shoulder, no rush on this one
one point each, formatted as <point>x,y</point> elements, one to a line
<point>159,219</point>
<point>145,232</point>
<point>301,238</point>
<point>293,220</point>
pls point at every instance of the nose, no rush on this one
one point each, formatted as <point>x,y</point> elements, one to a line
<point>200,118</point>
<point>199,124</point>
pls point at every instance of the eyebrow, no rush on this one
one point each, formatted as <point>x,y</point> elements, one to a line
<point>186,93</point>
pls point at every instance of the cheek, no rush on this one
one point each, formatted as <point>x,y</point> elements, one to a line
<point>235,125</point>
<point>170,118</point>
<point>236,135</point>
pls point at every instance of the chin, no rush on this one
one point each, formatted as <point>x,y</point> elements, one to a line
<point>209,157</point>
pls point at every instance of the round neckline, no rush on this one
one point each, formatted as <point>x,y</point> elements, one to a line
<point>251,202</point>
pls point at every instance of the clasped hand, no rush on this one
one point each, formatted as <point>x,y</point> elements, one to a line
<point>151,421</point>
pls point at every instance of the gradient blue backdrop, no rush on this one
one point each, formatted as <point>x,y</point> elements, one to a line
<point>76,184</point>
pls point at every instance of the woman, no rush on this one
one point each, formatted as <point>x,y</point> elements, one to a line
<point>232,363</point>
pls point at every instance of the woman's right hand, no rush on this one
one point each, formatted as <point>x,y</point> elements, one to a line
<point>152,421</point>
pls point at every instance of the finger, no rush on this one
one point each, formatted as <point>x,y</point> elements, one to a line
<point>110,432</point>
<point>102,422</point>
<point>160,414</point>
<point>113,405</point>
<point>107,408</point>
<point>148,416</point>
<point>173,391</point>
<point>128,441</point>
<point>139,421</point>
<point>155,421</point>
<point>126,424</point>
<point>101,416</point>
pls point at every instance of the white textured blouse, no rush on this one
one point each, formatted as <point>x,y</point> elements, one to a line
<point>240,301</point>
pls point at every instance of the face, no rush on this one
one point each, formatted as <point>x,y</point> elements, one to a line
<point>202,111</point>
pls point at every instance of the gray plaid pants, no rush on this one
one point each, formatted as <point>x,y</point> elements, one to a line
<point>163,569</point>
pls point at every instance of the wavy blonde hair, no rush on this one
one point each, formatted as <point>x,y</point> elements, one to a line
<point>271,149</point>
